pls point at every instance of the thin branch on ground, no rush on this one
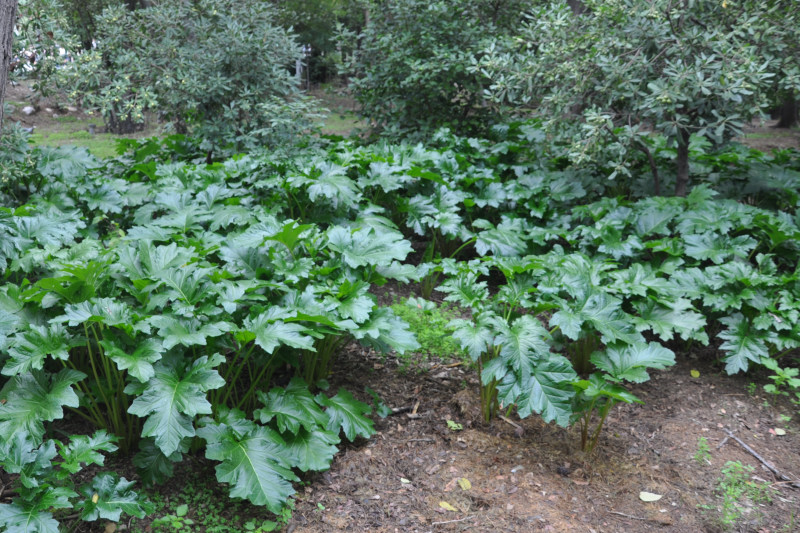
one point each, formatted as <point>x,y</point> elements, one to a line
<point>452,521</point>
<point>791,482</point>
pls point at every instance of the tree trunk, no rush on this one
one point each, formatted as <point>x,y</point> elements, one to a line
<point>8,16</point>
<point>578,7</point>
<point>788,112</point>
<point>682,163</point>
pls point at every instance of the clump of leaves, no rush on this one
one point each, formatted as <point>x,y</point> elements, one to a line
<point>738,493</point>
<point>429,322</point>
<point>44,486</point>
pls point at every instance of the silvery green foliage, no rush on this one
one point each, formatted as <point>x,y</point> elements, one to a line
<point>221,73</point>
<point>625,68</point>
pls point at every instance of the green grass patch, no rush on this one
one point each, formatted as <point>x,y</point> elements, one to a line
<point>342,123</point>
<point>204,507</point>
<point>101,145</point>
<point>429,322</point>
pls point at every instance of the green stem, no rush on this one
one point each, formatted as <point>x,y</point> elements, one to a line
<point>604,413</point>
<point>472,240</point>
<point>112,379</point>
<point>254,383</point>
<point>231,381</point>
<point>94,368</point>
<point>97,418</point>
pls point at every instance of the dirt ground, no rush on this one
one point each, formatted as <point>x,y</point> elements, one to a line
<point>534,477</point>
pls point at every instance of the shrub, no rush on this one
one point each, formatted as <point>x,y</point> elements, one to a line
<point>221,74</point>
<point>411,71</point>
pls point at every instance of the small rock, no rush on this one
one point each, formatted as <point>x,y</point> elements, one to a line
<point>48,109</point>
<point>29,110</point>
<point>72,109</point>
<point>56,115</point>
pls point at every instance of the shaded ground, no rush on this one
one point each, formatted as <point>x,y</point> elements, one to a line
<point>765,137</point>
<point>56,123</point>
<point>536,478</point>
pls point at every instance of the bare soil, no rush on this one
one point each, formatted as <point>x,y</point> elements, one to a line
<point>534,477</point>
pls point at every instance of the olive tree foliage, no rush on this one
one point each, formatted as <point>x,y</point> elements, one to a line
<point>409,67</point>
<point>222,73</point>
<point>625,68</point>
<point>779,42</point>
<point>42,42</point>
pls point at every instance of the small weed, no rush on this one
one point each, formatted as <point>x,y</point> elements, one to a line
<point>454,426</point>
<point>752,388</point>
<point>429,322</point>
<point>703,453</point>
<point>200,506</point>
<point>739,494</point>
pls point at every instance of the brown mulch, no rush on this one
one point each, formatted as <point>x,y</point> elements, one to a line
<point>537,478</point>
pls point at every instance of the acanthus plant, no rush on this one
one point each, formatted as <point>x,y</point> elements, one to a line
<point>518,357</point>
<point>153,336</point>
<point>734,263</point>
<point>508,342</point>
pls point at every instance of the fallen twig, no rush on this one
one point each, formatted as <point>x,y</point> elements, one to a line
<point>452,521</point>
<point>629,516</point>
<point>398,410</point>
<point>721,444</point>
<point>509,421</point>
<point>791,482</point>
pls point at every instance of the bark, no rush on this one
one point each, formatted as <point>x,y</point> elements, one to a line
<point>578,7</point>
<point>788,112</point>
<point>682,164</point>
<point>653,167</point>
<point>8,16</point>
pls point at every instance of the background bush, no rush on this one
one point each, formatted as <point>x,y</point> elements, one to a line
<point>410,71</point>
<point>222,73</point>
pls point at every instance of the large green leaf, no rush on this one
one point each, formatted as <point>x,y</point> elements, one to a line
<point>474,338</point>
<point>254,460</point>
<point>104,310</point>
<point>312,450</point>
<point>137,361</point>
<point>384,331</point>
<point>34,398</point>
<point>329,180</point>
<point>293,407</point>
<point>30,348</point>
<point>547,391</point>
<point>598,387</point>
<point>270,332</point>
<point>83,450</point>
<point>743,343</point>
<point>65,162</point>
<point>25,516</point>
<point>108,496</point>
<point>368,246</point>
<point>187,331</point>
<point>680,317</point>
<point>172,398</point>
<point>504,239</point>
<point>630,362</point>
<point>523,344</point>
<point>152,465</point>
<point>345,413</point>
